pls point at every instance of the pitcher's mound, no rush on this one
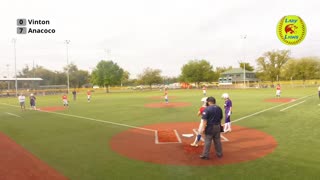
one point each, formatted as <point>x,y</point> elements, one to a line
<point>167,105</point>
<point>52,108</point>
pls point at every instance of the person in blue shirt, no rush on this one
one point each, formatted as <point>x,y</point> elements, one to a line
<point>212,117</point>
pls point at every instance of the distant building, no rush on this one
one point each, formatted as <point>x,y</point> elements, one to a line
<point>236,76</point>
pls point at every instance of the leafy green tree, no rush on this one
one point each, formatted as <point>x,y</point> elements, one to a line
<point>77,77</point>
<point>150,76</point>
<point>270,64</point>
<point>125,77</point>
<point>197,71</point>
<point>49,77</point>
<point>3,86</point>
<point>247,66</point>
<point>302,69</point>
<point>219,71</point>
<point>132,82</point>
<point>107,73</point>
<point>170,80</point>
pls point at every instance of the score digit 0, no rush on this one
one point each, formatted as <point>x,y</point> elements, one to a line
<point>21,22</point>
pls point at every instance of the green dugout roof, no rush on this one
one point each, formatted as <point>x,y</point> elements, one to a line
<point>236,71</point>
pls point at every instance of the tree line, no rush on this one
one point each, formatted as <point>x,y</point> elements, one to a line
<point>271,66</point>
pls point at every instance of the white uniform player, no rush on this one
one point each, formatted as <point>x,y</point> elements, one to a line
<point>22,100</point>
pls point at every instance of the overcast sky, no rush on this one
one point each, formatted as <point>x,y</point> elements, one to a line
<point>163,34</point>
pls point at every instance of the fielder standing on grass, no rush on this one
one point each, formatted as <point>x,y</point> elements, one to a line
<point>33,102</point>
<point>22,100</point>
<point>319,92</point>
<point>278,91</point>
<point>228,112</point>
<point>212,117</point>
<point>204,90</point>
<point>89,95</point>
<point>198,137</point>
<point>74,93</point>
<point>166,95</point>
<point>65,100</point>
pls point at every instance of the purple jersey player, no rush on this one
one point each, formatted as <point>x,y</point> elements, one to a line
<point>228,111</point>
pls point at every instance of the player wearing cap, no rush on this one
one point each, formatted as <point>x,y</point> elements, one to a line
<point>202,108</point>
<point>204,90</point>
<point>89,95</point>
<point>166,95</point>
<point>33,102</point>
<point>65,100</point>
<point>22,100</point>
<point>228,112</point>
<point>212,117</point>
<point>278,91</point>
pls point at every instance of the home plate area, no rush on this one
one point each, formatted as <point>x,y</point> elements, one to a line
<point>172,136</point>
<point>170,144</point>
<point>167,136</point>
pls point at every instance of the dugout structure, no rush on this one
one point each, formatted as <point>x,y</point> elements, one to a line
<point>23,84</point>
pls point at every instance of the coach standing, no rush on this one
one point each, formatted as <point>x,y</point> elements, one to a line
<point>212,117</point>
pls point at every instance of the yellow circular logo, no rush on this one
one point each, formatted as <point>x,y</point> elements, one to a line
<point>291,30</point>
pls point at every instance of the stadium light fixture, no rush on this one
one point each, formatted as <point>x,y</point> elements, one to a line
<point>244,37</point>
<point>14,41</point>
<point>8,76</point>
<point>68,83</point>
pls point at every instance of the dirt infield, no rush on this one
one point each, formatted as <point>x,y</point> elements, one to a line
<point>16,163</point>
<point>280,100</point>
<point>167,105</point>
<point>244,144</point>
<point>166,136</point>
<point>52,108</point>
<point>161,97</point>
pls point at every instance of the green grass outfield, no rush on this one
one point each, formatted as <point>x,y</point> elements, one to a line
<point>79,149</point>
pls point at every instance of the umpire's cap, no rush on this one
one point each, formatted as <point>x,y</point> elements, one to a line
<point>211,99</point>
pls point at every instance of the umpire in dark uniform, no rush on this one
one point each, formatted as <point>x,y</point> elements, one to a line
<point>212,117</point>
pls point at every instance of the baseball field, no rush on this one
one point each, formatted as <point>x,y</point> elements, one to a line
<point>135,135</point>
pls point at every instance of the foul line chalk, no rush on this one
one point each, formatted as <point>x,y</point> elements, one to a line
<point>292,106</point>
<point>259,112</point>
<point>11,114</point>
<point>91,119</point>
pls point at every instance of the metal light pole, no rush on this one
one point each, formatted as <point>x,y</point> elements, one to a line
<point>244,64</point>
<point>34,75</point>
<point>8,76</point>
<point>14,40</point>
<point>67,43</point>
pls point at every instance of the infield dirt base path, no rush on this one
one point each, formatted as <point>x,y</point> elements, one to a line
<point>280,100</point>
<point>16,163</point>
<point>244,144</point>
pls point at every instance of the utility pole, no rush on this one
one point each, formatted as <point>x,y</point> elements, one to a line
<point>8,76</point>
<point>14,41</point>
<point>244,63</point>
<point>34,75</point>
<point>68,84</point>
